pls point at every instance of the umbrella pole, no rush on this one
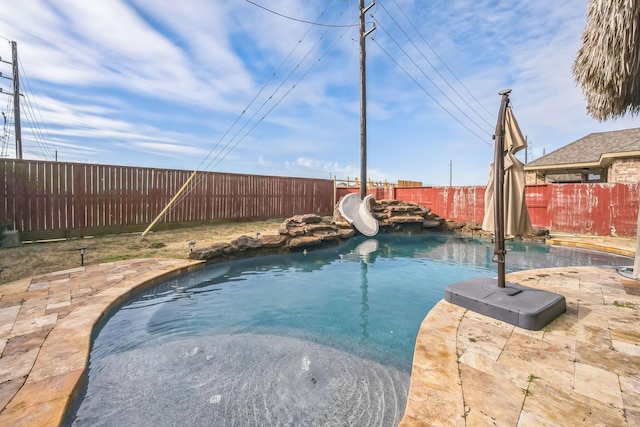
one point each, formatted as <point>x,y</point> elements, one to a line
<point>498,186</point>
<point>533,308</point>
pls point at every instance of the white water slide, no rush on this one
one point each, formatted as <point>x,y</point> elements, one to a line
<point>357,212</point>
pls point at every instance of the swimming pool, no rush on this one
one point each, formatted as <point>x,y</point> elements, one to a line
<point>323,338</point>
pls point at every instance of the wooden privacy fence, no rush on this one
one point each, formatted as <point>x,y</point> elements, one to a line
<point>601,209</point>
<point>52,199</point>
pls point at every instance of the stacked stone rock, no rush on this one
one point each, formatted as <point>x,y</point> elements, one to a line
<point>397,216</point>
<point>302,232</point>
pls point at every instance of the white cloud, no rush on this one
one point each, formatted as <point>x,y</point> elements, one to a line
<point>160,83</point>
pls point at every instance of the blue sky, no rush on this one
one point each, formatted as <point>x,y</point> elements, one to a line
<point>164,84</point>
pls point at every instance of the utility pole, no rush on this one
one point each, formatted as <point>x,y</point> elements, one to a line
<point>450,172</point>
<point>16,100</point>
<point>363,98</point>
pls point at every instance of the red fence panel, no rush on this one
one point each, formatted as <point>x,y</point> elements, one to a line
<point>424,196</point>
<point>454,203</point>
<point>598,209</point>
<point>537,199</point>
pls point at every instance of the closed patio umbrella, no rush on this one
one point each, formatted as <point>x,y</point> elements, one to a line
<point>516,216</point>
<point>516,304</point>
<point>505,207</point>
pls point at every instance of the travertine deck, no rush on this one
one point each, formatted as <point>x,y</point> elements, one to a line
<point>45,332</point>
<point>584,369</point>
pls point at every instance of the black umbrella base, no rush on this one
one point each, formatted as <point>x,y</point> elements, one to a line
<point>525,307</point>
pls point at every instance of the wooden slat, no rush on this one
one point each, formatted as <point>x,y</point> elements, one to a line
<point>4,194</point>
<point>67,182</point>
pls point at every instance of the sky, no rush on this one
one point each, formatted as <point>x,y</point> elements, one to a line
<point>272,87</point>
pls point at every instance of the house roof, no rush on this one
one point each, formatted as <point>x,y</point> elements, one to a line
<point>593,150</point>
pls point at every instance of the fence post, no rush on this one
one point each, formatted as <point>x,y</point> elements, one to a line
<point>335,191</point>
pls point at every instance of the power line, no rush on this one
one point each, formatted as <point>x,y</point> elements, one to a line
<point>280,100</point>
<point>434,67</point>
<point>221,155</point>
<point>7,118</point>
<point>299,20</point>
<point>427,92</point>
<point>264,86</point>
<point>35,124</point>
<point>440,58</point>
<point>277,89</point>
<point>428,78</point>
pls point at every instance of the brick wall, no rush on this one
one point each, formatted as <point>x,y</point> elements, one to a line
<point>531,178</point>
<point>624,170</point>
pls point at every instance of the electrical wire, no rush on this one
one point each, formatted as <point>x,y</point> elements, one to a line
<point>304,58</point>
<point>299,20</point>
<point>8,118</point>
<point>29,115</point>
<point>434,67</point>
<point>36,130</point>
<point>230,146</point>
<point>264,86</point>
<point>428,78</point>
<point>44,148</point>
<point>280,100</point>
<point>427,92</point>
<point>440,58</point>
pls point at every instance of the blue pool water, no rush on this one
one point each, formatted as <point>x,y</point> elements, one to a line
<point>323,338</point>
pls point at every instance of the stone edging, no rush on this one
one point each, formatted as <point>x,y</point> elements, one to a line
<point>58,372</point>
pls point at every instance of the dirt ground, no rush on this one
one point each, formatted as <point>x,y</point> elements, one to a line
<point>32,259</point>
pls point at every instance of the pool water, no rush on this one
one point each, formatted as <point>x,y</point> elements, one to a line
<point>322,338</point>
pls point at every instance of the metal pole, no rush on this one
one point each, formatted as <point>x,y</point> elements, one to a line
<point>166,208</point>
<point>636,260</point>
<point>498,185</point>
<point>16,100</point>
<point>363,104</point>
<point>335,192</point>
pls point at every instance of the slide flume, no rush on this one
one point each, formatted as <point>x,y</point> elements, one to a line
<point>356,211</point>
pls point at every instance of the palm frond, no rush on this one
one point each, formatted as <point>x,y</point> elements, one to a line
<point>607,66</point>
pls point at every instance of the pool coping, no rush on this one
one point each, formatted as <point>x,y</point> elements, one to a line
<point>47,321</point>
<point>581,369</point>
<point>46,327</point>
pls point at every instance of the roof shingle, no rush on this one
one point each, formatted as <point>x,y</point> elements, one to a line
<point>590,148</point>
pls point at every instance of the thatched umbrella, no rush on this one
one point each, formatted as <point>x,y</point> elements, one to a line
<point>607,66</point>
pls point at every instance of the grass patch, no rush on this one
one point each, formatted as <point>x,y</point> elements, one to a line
<point>33,259</point>
<point>526,391</point>
<point>623,304</point>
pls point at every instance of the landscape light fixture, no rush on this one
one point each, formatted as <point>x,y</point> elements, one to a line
<point>82,250</point>
<point>192,244</point>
